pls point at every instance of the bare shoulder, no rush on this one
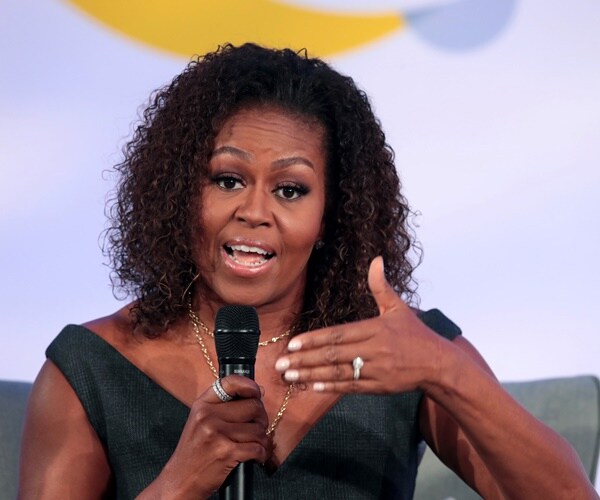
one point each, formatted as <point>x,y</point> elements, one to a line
<point>116,328</point>
<point>60,443</point>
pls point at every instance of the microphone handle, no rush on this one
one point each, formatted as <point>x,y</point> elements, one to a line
<point>238,485</point>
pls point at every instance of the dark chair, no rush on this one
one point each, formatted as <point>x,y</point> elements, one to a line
<point>571,406</point>
<point>13,400</point>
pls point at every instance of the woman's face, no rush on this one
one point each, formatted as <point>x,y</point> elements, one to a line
<point>262,208</point>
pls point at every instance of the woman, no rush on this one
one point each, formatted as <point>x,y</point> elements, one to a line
<point>261,177</point>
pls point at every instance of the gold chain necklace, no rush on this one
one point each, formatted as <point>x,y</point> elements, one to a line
<point>197,324</point>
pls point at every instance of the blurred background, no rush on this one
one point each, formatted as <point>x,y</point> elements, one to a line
<point>492,107</point>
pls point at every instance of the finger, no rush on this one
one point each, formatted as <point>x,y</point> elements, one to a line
<point>230,452</point>
<point>327,355</point>
<point>249,432</point>
<point>244,452</point>
<point>241,411</point>
<point>350,386</point>
<point>236,386</point>
<point>334,335</point>
<point>333,372</point>
<point>383,293</point>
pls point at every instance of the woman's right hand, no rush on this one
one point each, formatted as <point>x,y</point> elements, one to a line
<point>217,436</point>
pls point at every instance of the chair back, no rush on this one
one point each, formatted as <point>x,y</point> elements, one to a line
<point>569,405</point>
<point>13,401</point>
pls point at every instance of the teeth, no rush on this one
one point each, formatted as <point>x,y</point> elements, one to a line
<point>247,249</point>
<point>249,264</point>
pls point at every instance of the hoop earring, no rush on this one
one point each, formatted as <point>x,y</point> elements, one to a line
<point>187,288</point>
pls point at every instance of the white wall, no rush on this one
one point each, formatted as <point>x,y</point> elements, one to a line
<point>497,144</point>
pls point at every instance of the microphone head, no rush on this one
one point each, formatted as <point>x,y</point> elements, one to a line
<point>237,333</point>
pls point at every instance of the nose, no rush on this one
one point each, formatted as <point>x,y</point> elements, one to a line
<point>254,208</point>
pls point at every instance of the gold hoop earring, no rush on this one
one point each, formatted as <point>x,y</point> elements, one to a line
<point>187,288</point>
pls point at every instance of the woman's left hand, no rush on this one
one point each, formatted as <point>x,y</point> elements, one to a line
<point>397,350</point>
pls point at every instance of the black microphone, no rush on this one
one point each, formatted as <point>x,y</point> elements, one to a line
<point>236,339</point>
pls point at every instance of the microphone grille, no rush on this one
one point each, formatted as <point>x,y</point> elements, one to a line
<point>237,332</point>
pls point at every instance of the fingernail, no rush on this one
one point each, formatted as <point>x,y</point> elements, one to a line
<point>319,386</point>
<point>282,364</point>
<point>291,375</point>
<point>294,345</point>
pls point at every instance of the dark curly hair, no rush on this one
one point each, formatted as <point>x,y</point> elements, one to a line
<point>149,240</point>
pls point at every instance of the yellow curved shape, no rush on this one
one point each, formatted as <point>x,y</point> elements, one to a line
<point>188,27</point>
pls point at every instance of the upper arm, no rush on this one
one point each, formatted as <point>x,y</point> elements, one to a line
<point>449,442</point>
<point>61,454</point>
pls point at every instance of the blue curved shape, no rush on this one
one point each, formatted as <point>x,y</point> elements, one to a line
<point>462,25</point>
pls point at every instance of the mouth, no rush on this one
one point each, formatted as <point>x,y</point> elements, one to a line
<point>247,255</point>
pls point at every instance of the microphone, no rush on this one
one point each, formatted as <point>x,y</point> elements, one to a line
<point>236,339</point>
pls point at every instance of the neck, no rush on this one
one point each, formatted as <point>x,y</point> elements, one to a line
<point>273,320</point>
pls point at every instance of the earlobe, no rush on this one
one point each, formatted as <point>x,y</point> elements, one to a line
<point>320,243</point>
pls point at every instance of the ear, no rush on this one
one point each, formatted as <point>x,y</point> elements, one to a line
<point>319,243</point>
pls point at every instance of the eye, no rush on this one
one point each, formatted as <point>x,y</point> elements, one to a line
<point>291,191</point>
<point>228,182</point>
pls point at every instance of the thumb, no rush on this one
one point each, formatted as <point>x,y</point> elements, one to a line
<point>383,293</point>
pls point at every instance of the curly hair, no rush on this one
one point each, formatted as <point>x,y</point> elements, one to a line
<point>150,237</point>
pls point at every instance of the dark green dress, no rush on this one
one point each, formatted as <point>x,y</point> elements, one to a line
<point>365,447</point>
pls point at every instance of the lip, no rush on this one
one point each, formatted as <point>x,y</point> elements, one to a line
<point>246,271</point>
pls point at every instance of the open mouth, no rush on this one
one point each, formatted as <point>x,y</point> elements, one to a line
<point>248,255</point>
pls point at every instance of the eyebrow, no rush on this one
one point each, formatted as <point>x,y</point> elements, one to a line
<point>292,160</point>
<point>233,152</point>
<point>280,163</point>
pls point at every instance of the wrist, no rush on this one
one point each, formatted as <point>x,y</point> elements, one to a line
<point>448,366</point>
<point>169,484</point>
